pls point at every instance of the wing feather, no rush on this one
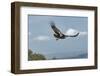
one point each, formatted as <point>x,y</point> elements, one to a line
<point>73,35</point>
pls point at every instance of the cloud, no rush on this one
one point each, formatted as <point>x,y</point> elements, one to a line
<point>41,38</point>
<point>73,32</point>
<point>29,33</point>
<point>83,33</point>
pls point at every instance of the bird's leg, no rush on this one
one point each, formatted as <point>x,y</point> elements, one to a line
<point>57,39</point>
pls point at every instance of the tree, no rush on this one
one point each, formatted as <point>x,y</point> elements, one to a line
<point>35,56</point>
<point>30,53</point>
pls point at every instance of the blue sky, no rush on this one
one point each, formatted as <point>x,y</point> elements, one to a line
<point>41,39</point>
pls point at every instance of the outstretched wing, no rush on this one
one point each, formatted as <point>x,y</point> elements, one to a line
<point>73,35</point>
<point>55,29</point>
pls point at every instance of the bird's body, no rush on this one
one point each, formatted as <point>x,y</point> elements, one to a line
<point>58,34</point>
<point>59,37</point>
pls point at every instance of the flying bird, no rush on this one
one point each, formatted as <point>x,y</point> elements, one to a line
<point>58,34</point>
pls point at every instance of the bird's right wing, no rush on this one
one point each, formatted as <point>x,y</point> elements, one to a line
<point>73,35</point>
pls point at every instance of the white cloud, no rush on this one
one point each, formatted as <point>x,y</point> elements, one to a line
<point>73,32</point>
<point>41,38</point>
<point>68,32</point>
<point>29,33</point>
<point>83,33</point>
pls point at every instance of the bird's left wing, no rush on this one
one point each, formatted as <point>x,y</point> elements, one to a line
<point>55,29</point>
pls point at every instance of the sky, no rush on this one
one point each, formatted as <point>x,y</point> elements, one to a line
<point>41,39</point>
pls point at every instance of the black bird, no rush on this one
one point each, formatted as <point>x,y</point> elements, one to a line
<point>58,34</point>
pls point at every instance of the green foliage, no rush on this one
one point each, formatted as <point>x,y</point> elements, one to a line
<point>35,56</point>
